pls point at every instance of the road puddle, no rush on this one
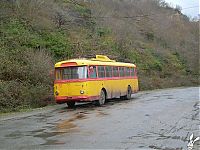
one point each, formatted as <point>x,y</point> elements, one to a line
<point>65,126</point>
<point>58,128</point>
<point>62,111</point>
<point>14,135</point>
<point>37,131</point>
<point>101,114</point>
<point>68,125</point>
<point>170,98</point>
<point>45,135</point>
<point>167,148</point>
<point>53,142</point>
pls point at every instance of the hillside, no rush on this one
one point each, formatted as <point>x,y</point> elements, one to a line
<point>160,40</point>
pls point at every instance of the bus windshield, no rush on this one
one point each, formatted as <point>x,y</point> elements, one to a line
<point>77,72</point>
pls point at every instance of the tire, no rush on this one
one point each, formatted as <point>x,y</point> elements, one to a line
<point>71,104</point>
<point>102,99</point>
<point>129,92</point>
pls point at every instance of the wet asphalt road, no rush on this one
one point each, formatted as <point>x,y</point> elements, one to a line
<point>160,119</point>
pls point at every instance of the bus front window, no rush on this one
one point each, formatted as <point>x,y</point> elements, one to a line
<point>71,73</point>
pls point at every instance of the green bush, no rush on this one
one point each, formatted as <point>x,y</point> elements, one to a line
<point>11,96</point>
<point>103,31</point>
<point>16,95</point>
<point>25,80</point>
<point>82,10</point>
<point>156,65</point>
<point>150,36</point>
<point>17,34</point>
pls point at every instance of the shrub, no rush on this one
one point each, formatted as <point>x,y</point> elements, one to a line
<point>11,96</point>
<point>25,80</point>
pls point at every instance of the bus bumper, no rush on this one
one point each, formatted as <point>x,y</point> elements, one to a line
<point>64,99</point>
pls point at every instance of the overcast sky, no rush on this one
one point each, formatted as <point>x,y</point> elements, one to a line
<point>189,7</point>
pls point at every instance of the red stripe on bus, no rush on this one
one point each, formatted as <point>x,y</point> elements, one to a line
<point>75,98</point>
<point>95,79</point>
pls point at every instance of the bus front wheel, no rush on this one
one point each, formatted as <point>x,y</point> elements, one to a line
<point>102,98</point>
<point>71,104</point>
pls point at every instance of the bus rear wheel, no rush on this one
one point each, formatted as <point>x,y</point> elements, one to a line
<point>71,104</point>
<point>102,99</point>
<point>129,92</point>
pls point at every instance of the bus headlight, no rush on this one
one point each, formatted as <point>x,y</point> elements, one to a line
<point>56,93</point>
<point>81,91</point>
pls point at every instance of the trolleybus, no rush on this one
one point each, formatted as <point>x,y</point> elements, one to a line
<point>96,79</point>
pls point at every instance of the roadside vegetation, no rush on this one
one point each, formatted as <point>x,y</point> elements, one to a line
<point>34,34</point>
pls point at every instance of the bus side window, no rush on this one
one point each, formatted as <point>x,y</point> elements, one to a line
<point>127,71</point>
<point>115,72</point>
<point>108,71</point>
<point>121,71</point>
<point>66,73</point>
<point>74,73</point>
<point>93,71</point>
<point>58,74</point>
<point>101,71</point>
<point>132,72</point>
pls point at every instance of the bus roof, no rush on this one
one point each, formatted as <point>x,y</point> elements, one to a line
<point>99,60</point>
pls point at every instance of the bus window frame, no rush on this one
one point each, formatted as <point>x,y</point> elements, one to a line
<point>102,78</point>
<point>104,71</point>
<point>116,70</point>
<point>61,70</point>
<point>112,72</point>
<point>123,71</point>
<point>108,71</point>
<point>103,66</point>
<point>129,69</point>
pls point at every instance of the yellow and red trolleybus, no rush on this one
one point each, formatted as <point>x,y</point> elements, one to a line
<point>95,79</point>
